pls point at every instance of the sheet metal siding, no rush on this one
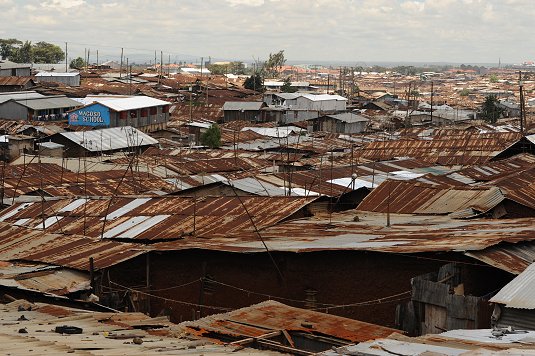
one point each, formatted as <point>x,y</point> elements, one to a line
<point>520,292</point>
<point>517,318</point>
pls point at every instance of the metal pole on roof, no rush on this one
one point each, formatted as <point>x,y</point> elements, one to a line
<point>520,84</point>
<point>121,67</point>
<point>66,58</point>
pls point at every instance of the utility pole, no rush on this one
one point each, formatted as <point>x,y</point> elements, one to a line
<point>408,103</point>
<point>169,66</point>
<point>130,79</point>
<point>121,67</point>
<point>87,62</point>
<point>97,58</point>
<point>66,57</point>
<point>432,102</point>
<point>522,111</point>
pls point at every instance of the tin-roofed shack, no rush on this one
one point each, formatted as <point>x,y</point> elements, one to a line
<point>98,142</point>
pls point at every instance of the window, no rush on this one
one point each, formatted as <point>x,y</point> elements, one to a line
<point>123,115</point>
<point>165,109</point>
<point>133,114</point>
<point>153,110</point>
<point>144,112</point>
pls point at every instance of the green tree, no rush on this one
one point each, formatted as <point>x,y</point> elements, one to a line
<point>7,47</point>
<point>211,137</point>
<point>254,82</point>
<point>22,54</point>
<point>77,63</point>
<point>490,111</point>
<point>493,78</point>
<point>287,86</point>
<point>464,92</point>
<point>44,52</point>
<point>273,65</point>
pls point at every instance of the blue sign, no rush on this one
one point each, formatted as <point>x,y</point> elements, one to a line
<point>92,115</point>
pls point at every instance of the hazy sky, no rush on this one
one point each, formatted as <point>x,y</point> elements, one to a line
<point>322,30</point>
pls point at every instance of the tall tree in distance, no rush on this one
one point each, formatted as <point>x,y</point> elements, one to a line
<point>254,82</point>
<point>287,86</point>
<point>22,54</point>
<point>274,64</point>
<point>490,111</point>
<point>44,52</point>
<point>7,46</point>
<point>212,137</point>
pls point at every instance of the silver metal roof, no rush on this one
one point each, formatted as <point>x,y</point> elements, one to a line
<point>349,117</point>
<point>243,105</point>
<point>114,138</point>
<point>520,292</point>
<point>19,95</point>
<point>48,103</point>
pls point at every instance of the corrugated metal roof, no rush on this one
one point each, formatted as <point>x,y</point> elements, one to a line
<point>158,218</point>
<point>21,243</point>
<point>243,105</point>
<point>102,334</point>
<point>110,139</point>
<point>520,292</point>
<point>418,198</point>
<point>44,103</point>
<point>57,74</point>
<point>15,81</point>
<point>270,315</point>
<point>131,103</point>
<point>349,117</point>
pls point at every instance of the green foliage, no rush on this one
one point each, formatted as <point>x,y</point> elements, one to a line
<point>274,64</point>
<point>464,92</point>
<point>212,137</point>
<point>44,52</point>
<point>7,46</point>
<point>254,82</point>
<point>490,111</point>
<point>287,86</point>
<point>41,52</point>
<point>22,54</point>
<point>77,63</point>
<point>232,67</point>
<point>493,78</point>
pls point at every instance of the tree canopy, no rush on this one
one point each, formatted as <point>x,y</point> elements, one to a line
<point>287,86</point>
<point>212,137</point>
<point>77,63</point>
<point>26,52</point>
<point>490,111</point>
<point>254,82</point>
<point>273,65</point>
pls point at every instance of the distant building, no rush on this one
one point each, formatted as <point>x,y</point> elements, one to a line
<point>71,79</point>
<point>14,145</point>
<point>243,110</point>
<point>141,112</point>
<point>12,69</point>
<point>35,106</point>
<point>300,86</point>
<point>13,83</point>
<point>346,123</point>
<point>300,106</point>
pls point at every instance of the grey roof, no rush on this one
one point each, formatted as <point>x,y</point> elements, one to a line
<point>520,292</point>
<point>256,187</point>
<point>12,65</point>
<point>19,95</point>
<point>57,74</point>
<point>349,117</point>
<point>50,145</point>
<point>110,139</point>
<point>48,102</point>
<point>243,105</point>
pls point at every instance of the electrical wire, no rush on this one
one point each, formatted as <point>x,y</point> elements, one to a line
<point>171,300</point>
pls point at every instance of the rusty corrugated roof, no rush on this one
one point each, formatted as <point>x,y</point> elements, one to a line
<point>155,218</point>
<point>417,198</point>
<point>20,243</point>
<point>270,315</point>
